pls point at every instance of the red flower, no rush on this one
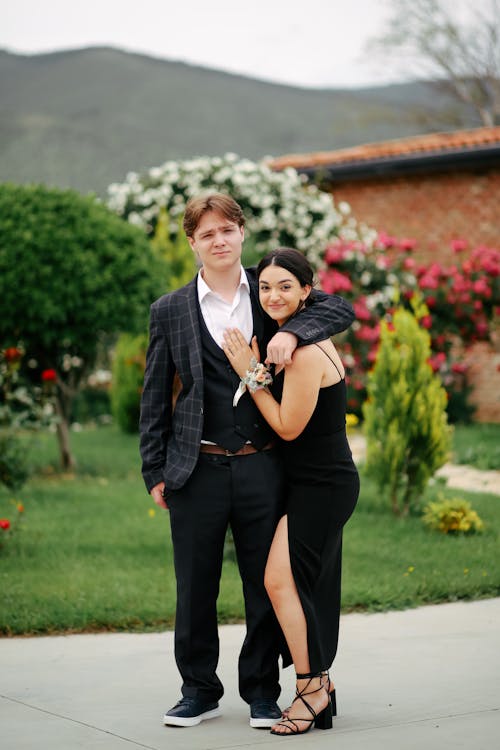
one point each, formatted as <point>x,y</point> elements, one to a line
<point>49,376</point>
<point>437,361</point>
<point>4,524</point>
<point>12,354</point>
<point>459,367</point>
<point>426,321</point>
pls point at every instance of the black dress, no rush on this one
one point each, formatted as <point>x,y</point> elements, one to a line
<point>322,491</point>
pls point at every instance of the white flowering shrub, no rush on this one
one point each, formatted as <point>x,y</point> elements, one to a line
<point>281,208</point>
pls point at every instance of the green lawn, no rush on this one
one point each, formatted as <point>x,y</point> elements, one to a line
<point>478,445</point>
<point>92,552</point>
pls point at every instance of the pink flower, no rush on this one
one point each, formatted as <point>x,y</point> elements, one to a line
<point>333,281</point>
<point>366,333</point>
<point>458,246</point>
<point>459,367</point>
<point>481,287</point>
<point>407,244</point>
<point>428,282</point>
<point>426,321</point>
<point>334,254</point>
<point>385,240</point>
<point>360,309</point>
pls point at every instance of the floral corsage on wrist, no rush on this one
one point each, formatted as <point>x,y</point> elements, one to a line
<point>255,378</point>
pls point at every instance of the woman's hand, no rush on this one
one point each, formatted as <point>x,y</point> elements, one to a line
<point>238,352</point>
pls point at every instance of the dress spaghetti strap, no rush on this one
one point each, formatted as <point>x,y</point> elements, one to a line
<point>331,360</point>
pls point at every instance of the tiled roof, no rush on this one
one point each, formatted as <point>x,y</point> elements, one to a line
<point>432,143</point>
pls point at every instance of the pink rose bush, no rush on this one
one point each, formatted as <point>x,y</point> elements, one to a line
<point>462,301</point>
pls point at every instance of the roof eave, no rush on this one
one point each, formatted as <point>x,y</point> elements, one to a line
<point>406,164</point>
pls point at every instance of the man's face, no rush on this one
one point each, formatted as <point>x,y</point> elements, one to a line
<point>217,242</point>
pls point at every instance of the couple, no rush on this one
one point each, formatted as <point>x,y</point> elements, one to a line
<point>273,463</point>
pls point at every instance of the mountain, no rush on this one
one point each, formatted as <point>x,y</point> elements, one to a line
<point>84,118</point>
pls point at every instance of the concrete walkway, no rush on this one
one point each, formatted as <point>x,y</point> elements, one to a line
<point>459,477</point>
<point>422,679</point>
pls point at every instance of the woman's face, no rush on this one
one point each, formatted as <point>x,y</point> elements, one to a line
<point>280,293</point>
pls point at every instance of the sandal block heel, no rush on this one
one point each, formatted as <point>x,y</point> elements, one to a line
<point>324,719</point>
<point>333,701</point>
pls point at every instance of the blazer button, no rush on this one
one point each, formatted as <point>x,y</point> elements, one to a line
<point>201,410</point>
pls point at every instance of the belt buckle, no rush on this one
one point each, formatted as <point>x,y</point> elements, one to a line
<point>227,452</point>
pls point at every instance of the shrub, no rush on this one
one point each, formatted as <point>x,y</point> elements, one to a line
<point>452,516</point>
<point>14,467</point>
<point>174,250</point>
<point>281,208</point>
<point>128,374</point>
<point>405,415</point>
<point>70,271</point>
<point>462,302</point>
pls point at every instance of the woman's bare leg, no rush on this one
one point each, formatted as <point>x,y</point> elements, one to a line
<point>282,591</point>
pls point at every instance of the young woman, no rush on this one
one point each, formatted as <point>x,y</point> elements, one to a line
<point>306,407</point>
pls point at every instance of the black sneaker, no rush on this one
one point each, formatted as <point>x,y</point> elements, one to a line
<point>264,713</point>
<point>190,711</point>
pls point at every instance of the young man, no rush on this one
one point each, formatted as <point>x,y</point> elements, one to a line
<point>214,464</point>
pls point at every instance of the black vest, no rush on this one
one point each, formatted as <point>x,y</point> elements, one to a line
<point>227,425</point>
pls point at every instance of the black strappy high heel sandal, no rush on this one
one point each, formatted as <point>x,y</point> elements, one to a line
<point>323,720</point>
<point>331,692</point>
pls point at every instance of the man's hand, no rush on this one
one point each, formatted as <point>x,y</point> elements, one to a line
<point>280,348</point>
<point>157,495</point>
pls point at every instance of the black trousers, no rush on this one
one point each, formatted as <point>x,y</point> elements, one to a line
<point>247,493</point>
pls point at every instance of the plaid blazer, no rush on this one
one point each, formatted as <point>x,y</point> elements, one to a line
<point>170,438</point>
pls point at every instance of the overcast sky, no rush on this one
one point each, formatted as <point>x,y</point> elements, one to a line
<point>319,43</point>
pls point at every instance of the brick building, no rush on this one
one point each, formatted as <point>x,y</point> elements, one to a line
<point>433,188</point>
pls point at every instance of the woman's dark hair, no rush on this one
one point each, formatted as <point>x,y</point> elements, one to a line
<point>291,260</point>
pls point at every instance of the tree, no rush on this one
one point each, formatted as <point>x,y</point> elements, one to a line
<point>458,47</point>
<point>405,414</point>
<point>71,273</point>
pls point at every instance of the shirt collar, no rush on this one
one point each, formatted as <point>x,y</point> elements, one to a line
<point>204,289</point>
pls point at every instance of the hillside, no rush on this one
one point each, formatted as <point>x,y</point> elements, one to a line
<point>84,118</point>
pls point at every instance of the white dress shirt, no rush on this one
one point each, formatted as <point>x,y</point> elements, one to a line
<point>219,314</point>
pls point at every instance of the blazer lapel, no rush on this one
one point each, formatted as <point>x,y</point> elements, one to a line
<point>195,346</point>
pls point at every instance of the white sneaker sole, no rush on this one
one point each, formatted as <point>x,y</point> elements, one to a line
<point>264,723</point>
<point>180,721</point>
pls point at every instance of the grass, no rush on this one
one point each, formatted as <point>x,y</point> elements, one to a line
<point>478,445</point>
<point>93,553</point>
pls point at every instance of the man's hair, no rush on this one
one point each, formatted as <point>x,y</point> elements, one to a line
<point>197,207</point>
